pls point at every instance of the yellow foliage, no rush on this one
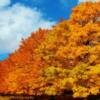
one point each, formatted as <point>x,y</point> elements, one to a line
<point>64,58</point>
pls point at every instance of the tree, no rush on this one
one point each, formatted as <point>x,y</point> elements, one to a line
<point>65,58</point>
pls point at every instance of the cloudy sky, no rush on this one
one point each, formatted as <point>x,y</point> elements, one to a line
<point>18,18</point>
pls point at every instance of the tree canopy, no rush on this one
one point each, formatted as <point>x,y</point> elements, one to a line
<point>64,58</point>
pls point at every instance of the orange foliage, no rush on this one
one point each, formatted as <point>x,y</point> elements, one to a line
<point>65,58</point>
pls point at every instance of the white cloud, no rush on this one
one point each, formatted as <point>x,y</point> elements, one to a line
<point>4,3</point>
<point>89,0</point>
<point>16,23</point>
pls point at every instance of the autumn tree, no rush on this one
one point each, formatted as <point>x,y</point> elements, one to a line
<point>65,58</point>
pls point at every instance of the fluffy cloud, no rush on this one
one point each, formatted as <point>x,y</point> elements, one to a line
<point>89,0</point>
<point>17,22</point>
<point>4,3</point>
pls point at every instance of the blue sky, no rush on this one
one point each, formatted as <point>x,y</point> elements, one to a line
<point>20,17</point>
<point>52,9</point>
